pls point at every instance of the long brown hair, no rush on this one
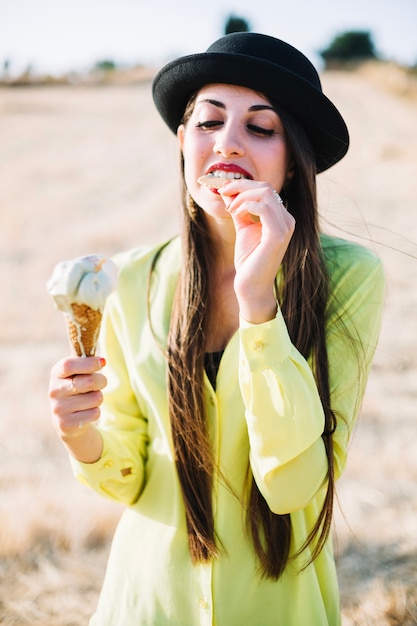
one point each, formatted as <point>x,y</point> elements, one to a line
<point>303,298</point>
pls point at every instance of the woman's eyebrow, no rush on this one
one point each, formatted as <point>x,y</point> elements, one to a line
<point>215,103</point>
<point>255,107</point>
<point>261,107</point>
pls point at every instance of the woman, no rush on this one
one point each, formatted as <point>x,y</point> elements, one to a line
<point>237,360</point>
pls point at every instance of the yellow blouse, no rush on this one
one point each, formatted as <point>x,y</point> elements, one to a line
<point>265,413</point>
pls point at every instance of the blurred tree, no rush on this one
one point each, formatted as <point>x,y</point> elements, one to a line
<point>106,65</point>
<point>235,24</point>
<point>349,46</point>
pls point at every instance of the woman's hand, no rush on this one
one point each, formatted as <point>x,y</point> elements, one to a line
<point>75,398</point>
<point>263,232</point>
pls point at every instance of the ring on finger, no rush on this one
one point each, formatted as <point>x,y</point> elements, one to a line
<point>72,387</point>
<point>278,197</point>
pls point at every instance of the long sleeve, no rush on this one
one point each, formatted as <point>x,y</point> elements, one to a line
<point>119,473</point>
<point>282,405</point>
<point>134,423</point>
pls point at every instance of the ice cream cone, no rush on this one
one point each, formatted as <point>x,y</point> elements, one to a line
<point>83,329</point>
<point>80,289</point>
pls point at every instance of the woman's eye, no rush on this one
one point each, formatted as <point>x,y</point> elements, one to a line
<point>258,130</point>
<point>209,124</point>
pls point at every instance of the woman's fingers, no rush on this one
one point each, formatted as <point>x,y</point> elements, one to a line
<point>75,375</point>
<point>77,365</point>
<point>71,415</point>
<point>75,392</point>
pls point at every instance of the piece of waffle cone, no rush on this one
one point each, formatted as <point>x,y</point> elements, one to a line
<point>83,329</point>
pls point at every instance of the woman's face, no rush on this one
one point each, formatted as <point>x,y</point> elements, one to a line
<point>233,130</point>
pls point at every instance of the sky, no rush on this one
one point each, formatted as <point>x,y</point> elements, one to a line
<point>56,36</point>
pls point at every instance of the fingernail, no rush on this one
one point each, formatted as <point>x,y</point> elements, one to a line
<point>102,361</point>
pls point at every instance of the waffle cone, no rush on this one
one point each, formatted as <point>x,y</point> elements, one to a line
<point>83,329</point>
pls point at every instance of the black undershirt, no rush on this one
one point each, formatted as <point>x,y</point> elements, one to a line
<point>211,365</point>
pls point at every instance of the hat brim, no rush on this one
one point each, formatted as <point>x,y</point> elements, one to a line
<point>177,81</point>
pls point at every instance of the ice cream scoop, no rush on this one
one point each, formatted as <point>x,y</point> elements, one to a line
<point>80,288</point>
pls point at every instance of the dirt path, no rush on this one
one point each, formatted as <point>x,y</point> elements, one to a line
<point>90,169</point>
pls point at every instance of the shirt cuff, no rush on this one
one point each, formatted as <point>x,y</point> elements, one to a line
<point>107,467</point>
<point>265,344</point>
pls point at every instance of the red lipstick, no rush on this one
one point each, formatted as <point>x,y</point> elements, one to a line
<point>229,167</point>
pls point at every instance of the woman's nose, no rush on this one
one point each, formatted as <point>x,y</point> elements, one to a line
<point>228,142</point>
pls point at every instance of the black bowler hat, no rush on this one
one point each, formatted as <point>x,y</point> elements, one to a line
<point>265,64</point>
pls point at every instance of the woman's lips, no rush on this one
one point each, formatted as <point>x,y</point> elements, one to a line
<point>219,174</point>
<point>231,170</point>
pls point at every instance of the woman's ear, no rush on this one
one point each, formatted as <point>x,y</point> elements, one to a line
<point>290,172</point>
<point>180,135</point>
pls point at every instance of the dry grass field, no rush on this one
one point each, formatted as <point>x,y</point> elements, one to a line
<point>93,169</point>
